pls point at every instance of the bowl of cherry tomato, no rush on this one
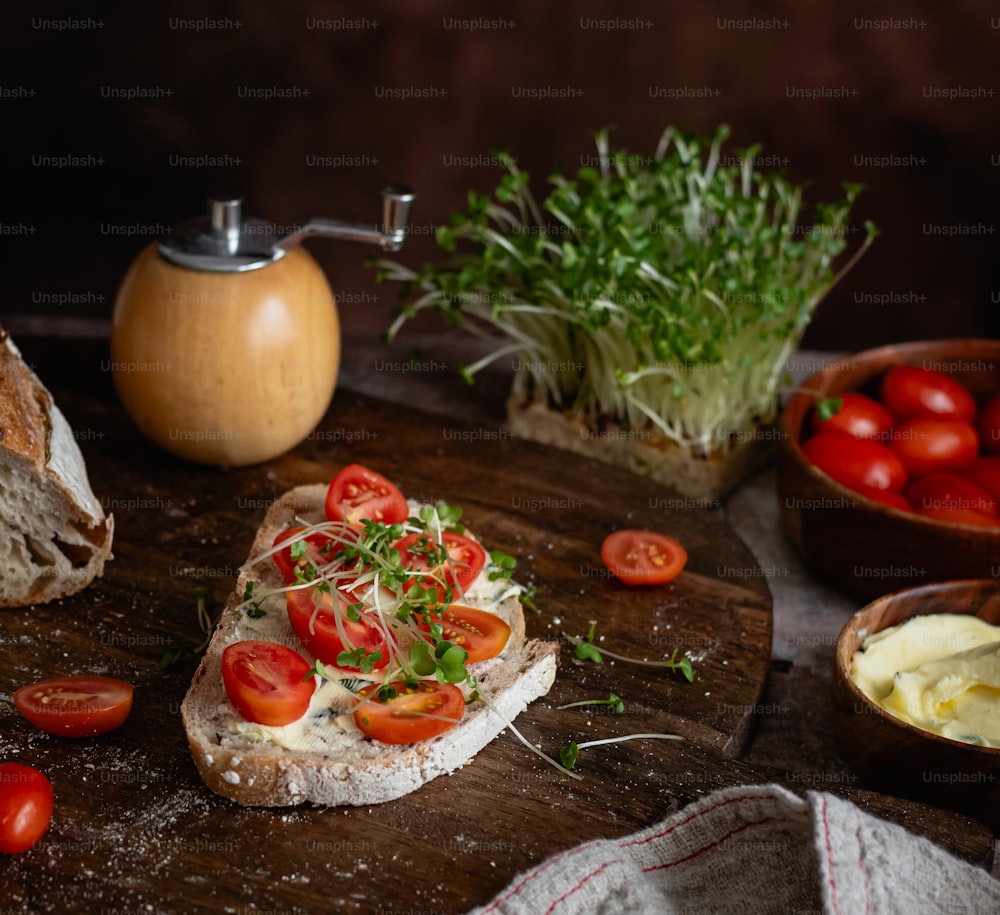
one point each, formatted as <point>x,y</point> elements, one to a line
<point>889,466</point>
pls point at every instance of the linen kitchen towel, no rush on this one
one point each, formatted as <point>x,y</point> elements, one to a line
<point>755,849</point>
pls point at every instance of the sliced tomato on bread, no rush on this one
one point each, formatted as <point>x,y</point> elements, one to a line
<point>334,634</point>
<point>267,682</point>
<point>409,713</point>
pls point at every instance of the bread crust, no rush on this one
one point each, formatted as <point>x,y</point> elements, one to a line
<point>357,771</point>
<point>55,535</point>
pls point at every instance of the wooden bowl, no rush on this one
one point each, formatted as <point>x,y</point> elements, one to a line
<point>896,757</point>
<point>859,545</point>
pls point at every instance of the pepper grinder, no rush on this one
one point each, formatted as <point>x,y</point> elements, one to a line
<point>225,339</point>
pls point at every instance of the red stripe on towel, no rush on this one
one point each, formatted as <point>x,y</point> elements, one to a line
<point>531,875</point>
<point>829,858</point>
<point>700,813</point>
<point>581,884</point>
<point>711,845</point>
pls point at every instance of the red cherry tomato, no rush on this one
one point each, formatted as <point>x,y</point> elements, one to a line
<point>858,416</point>
<point>858,464</point>
<point>465,559</point>
<point>985,473</point>
<point>26,803</point>
<point>989,426</point>
<point>481,633</point>
<point>643,557</point>
<point>311,614</point>
<point>415,713</point>
<point>887,497</point>
<point>266,681</point>
<point>944,489</point>
<point>75,706</point>
<point>924,444</point>
<point>357,493</point>
<point>320,550</point>
<point>909,390</point>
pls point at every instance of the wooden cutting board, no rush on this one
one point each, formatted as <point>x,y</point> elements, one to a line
<point>134,825</point>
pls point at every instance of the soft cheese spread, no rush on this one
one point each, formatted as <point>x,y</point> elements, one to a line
<point>939,672</point>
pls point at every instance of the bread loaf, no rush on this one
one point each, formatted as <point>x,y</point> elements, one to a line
<point>54,535</point>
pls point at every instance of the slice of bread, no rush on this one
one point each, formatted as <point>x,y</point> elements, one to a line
<point>54,535</point>
<point>324,759</point>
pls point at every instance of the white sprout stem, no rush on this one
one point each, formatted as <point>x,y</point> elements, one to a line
<point>597,743</point>
<point>706,412</point>
<point>663,662</point>
<point>538,752</point>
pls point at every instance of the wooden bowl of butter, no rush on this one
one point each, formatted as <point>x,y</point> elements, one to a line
<point>916,694</point>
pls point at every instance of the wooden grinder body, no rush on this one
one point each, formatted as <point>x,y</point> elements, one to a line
<point>227,368</point>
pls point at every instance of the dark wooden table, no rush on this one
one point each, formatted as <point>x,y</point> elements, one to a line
<point>136,830</point>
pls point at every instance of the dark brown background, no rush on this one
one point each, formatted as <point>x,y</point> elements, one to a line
<point>69,233</point>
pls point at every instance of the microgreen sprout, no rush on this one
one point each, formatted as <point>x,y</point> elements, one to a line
<point>476,696</point>
<point>614,703</point>
<point>319,670</point>
<point>570,753</point>
<point>253,609</point>
<point>504,565</point>
<point>666,293</point>
<point>828,407</point>
<point>586,651</point>
<point>204,605</point>
<point>585,648</point>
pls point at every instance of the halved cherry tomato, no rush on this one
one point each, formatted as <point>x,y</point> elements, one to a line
<point>482,634</point>
<point>858,416</point>
<point>266,682</point>
<point>26,803</point>
<point>989,426</point>
<point>858,464</point>
<point>643,557</point>
<point>924,444</point>
<point>311,613</point>
<point>75,706</point>
<point>909,390</point>
<point>320,550</point>
<point>357,493</point>
<point>985,473</point>
<point>943,489</point>
<point>419,713</point>
<point>466,559</point>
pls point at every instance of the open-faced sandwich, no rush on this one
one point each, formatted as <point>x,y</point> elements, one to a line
<point>371,645</point>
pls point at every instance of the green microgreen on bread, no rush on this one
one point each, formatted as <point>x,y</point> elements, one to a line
<point>410,603</point>
<point>662,293</point>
